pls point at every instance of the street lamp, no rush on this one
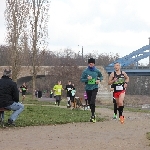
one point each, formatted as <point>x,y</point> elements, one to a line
<point>149,51</point>
<point>81,51</point>
<point>78,53</point>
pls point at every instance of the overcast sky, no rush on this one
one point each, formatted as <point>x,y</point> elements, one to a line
<point>106,26</point>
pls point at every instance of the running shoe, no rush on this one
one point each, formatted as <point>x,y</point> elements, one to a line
<point>10,122</point>
<point>115,116</point>
<point>122,119</point>
<point>85,108</point>
<point>68,106</point>
<point>93,119</point>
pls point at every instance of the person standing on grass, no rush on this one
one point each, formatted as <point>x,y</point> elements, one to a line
<point>58,91</point>
<point>119,79</point>
<point>23,89</point>
<point>36,93</point>
<point>69,88</point>
<point>91,76</point>
<point>9,96</point>
<point>51,93</point>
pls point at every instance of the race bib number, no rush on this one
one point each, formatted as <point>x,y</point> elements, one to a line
<point>119,87</point>
<point>68,89</point>
<point>92,81</point>
<point>59,90</point>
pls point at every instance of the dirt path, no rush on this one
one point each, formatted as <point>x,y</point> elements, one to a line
<point>108,135</point>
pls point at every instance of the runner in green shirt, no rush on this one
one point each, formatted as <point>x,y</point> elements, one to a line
<point>58,91</point>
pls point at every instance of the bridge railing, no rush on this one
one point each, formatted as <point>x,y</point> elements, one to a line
<point>129,67</point>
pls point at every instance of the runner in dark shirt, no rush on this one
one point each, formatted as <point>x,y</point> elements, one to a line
<point>69,88</point>
<point>23,90</point>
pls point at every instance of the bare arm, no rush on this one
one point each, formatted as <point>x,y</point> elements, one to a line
<point>126,77</point>
<point>111,79</point>
<point>54,88</point>
<point>111,89</point>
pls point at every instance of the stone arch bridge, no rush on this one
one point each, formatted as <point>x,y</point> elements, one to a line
<point>25,76</point>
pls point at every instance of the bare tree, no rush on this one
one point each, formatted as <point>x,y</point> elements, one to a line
<point>4,55</point>
<point>38,18</point>
<point>26,51</point>
<point>16,13</point>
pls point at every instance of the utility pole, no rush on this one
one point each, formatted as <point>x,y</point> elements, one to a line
<point>82,52</point>
<point>149,52</point>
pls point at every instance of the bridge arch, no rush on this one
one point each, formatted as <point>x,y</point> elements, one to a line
<point>131,59</point>
<point>25,76</point>
<point>25,79</point>
<point>134,57</point>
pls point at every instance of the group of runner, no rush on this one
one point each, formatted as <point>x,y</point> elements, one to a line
<point>70,93</point>
<point>118,81</point>
<point>92,76</point>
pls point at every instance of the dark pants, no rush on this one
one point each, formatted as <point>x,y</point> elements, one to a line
<point>51,95</point>
<point>58,99</point>
<point>91,94</point>
<point>86,102</point>
<point>72,99</point>
<point>115,108</point>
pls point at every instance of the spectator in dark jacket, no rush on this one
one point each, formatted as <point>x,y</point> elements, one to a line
<point>9,96</point>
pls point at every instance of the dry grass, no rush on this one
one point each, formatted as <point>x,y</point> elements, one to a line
<point>130,100</point>
<point>148,136</point>
<point>136,100</point>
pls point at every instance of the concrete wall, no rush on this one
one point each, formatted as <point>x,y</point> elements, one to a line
<point>104,89</point>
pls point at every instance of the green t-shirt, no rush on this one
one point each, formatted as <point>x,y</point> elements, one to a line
<point>23,88</point>
<point>57,89</point>
<point>73,92</point>
<point>95,74</point>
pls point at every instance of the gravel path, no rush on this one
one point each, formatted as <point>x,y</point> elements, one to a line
<point>107,135</point>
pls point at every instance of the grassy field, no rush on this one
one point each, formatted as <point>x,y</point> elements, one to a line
<point>148,136</point>
<point>43,113</point>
